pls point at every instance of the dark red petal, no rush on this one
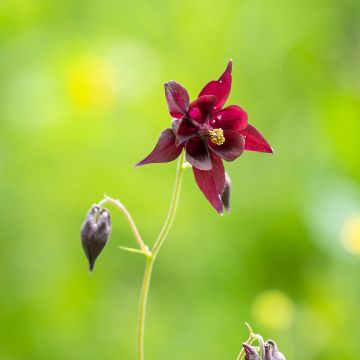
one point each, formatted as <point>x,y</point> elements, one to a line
<point>254,141</point>
<point>164,151</point>
<point>185,130</point>
<point>177,99</point>
<point>212,182</point>
<point>230,118</point>
<point>231,149</point>
<point>197,154</point>
<point>201,108</point>
<point>220,88</point>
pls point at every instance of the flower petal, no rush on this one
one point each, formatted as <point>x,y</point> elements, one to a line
<point>231,149</point>
<point>230,118</point>
<point>254,141</point>
<point>212,182</point>
<point>197,154</point>
<point>164,151</point>
<point>201,108</point>
<point>185,130</point>
<point>220,88</point>
<point>177,99</point>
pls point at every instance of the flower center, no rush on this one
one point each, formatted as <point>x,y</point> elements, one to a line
<point>217,136</point>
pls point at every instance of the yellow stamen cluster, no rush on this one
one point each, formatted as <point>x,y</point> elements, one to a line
<point>217,136</point>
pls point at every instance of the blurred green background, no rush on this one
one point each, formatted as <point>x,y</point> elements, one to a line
<point>81,100</point>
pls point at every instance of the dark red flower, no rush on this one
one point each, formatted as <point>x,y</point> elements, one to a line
<point>209,134</point>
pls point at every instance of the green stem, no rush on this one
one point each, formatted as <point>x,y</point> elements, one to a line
<point>142,306</point>
<point>108,200</point>
<point>173,207</point>
<point>152,256</point>
<point>249,341</point>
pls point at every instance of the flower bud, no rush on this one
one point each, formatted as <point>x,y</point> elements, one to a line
<point>250,352</point>
<point>267,352</point>
<point>95,233</point>
<point>275,353</point>
<point>225,197</point>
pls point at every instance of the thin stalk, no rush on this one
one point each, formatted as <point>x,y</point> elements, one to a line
<point>173,207</point>
<point>152,256</point>
<point>144,249</point>
<point>249,341</point>
<point>142,306</point>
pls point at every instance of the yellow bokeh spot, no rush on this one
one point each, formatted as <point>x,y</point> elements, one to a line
<point>92,82</point>
<point>351,235</point>
<point>274,309</point>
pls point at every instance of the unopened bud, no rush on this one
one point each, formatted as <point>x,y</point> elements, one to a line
<point>95,233</point>
<point>250,352</point>
<point>225,197</point>
<point>275,353</point>
<point>267,352</point>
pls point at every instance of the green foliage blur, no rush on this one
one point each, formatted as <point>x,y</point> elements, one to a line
<point>81,100</point>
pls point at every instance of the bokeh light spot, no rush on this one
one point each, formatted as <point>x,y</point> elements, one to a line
<point>350,236</point>
<point>274,309</point>
<point>92,82</point>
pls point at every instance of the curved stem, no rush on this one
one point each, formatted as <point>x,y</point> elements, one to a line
<point>144,249</point>
<point>152,255</point>
<point>173,207</point>
<point>249,341</point>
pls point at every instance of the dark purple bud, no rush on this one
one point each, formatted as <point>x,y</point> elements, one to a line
<point>225,197</point>
<point>275,353</point>
<point>250,352</point>
<point>95,233</point>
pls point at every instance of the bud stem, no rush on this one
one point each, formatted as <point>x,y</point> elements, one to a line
<point>249,341</point>
<point>108,200</point>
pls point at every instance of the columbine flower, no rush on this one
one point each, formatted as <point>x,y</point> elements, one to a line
<point>95,233</point>
<point>209,134</point>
